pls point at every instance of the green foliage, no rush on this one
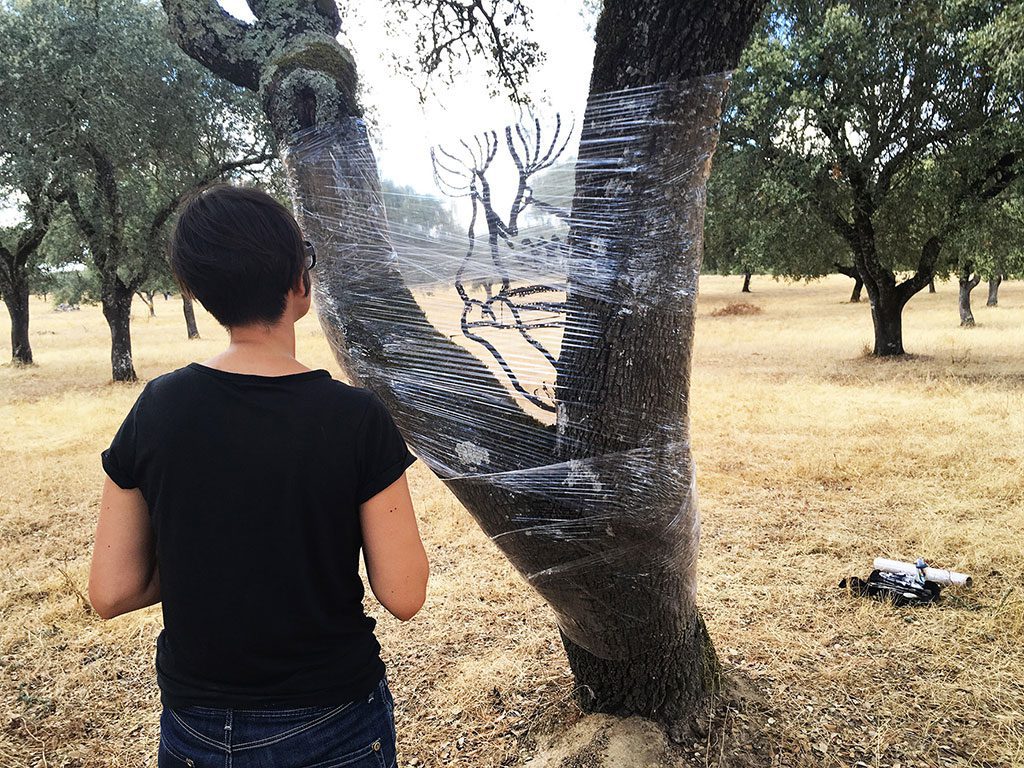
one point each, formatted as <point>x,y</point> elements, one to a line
<point>870,120</point>
<point>1001,41</point>
<point>72,285</point>
<point>758,223</point>
<point>993,246</point>
<point>414,212</point>
<point>131,123</point>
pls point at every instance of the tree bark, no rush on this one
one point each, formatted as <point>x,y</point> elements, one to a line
<point>993,291</point>
<point>629,399</point>
<point>16,299</point>
<point>618,692</point>
<point>931,285</point>
<point>639,646</point>
<point>116,300</point>
<point>887,297</point>
<point>858,282</point>
<point>967,284</point>
<point>147,299</point>
<point>887,319</point>
<point>746,283</point>
<point>190,316</point>
<point>600,513</point>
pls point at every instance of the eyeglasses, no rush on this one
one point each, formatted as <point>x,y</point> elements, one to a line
<point>310,254</point>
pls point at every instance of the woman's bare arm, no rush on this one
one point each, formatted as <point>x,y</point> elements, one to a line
<point>124,574</point>
<point>396,563</point>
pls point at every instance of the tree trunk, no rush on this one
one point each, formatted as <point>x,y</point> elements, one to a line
<point>190,317</point>
<point>147,299</point>
<point>931,285</point>
<point>886,296</point>
<point>746,283</point>
<point>599,512</point>
<point>629,399</point>
<point>858,283</point>
<point>17,308</point>
<point>887,318</point>
<point>635,642</point>
<point>117,309</point>
<point>668,695</point>
<point>857,286</point>
<point>967,284</point>
<point>993,291</point>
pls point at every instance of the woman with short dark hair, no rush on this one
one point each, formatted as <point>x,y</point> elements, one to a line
<point>239,493</point>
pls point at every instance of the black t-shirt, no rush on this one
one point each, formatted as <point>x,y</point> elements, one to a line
<point>253,485</point>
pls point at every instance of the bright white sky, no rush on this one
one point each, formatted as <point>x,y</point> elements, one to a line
<point>407,130</point>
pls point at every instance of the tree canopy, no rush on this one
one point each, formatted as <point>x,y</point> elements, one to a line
<point>128,126</point>
<point>890,128</point>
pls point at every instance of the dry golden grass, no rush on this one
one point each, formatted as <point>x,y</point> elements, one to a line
<point>812,459</point>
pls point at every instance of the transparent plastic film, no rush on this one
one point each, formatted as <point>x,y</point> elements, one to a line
<point>528,318</point>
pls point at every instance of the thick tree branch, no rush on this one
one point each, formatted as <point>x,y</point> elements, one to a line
<point>211,36</point>
<point>92,235</point>
<point>1000,175</point>
<point>681,40</point>
<point>850,272</point>
<point>6,271</point>
<point>107,194</point>
<point>925,269</point>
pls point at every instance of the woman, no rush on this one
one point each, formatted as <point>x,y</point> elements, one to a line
<point>239,493</point>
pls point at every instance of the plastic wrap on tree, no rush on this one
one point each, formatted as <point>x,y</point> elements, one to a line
<point>534,343</point>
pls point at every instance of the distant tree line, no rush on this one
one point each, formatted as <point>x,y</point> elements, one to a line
<point>876,139</point>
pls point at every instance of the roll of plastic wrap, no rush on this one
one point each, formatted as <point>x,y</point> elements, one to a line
<point>937,575</point>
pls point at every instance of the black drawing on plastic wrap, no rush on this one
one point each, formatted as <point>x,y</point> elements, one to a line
<point>462,172</point>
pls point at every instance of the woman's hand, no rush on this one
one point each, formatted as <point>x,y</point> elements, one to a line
<point>396,564</point>
<point>124,574</point>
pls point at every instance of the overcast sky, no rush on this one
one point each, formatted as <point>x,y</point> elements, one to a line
<point>406,130</point>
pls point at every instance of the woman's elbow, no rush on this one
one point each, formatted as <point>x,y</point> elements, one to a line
<point>114,600</point>
<point>408,606</point>
<point>406,602</point>
<point>103,605</point>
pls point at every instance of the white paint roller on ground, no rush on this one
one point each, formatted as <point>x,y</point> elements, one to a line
<point>937,575</point>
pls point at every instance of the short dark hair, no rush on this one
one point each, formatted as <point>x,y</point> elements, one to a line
<point>238,251</point>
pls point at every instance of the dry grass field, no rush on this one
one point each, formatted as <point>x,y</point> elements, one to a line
<point>812,460</point>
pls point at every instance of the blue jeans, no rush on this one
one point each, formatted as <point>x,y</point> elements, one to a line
<point>360,734</point>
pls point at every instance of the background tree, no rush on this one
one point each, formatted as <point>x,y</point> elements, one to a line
<point>133,126</point>
<point>160,282</point>
<point>638,600</point>
<point>26,184</point>
<point>990,248</point>
<point>994,282</point>
<point>18,246</point>
<point>759,224</point>
<point>73,285</point>
<point>886,119</point>
<point>63,272</point>
<point>189,310</point>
